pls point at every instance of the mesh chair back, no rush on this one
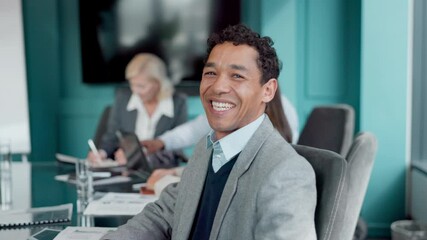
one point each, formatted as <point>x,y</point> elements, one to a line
<point>329,127</point>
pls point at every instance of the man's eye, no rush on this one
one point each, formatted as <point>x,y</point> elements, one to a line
<point>237,75</point>
<point>209,74</point>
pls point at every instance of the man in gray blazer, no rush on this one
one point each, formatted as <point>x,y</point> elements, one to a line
<point>244,180</point>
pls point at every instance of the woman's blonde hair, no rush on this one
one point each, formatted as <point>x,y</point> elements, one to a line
<point>155,68</point>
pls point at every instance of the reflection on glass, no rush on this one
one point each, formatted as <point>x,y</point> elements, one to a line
<point>5,175</point>
<point>113,31</point>
<point>84,185</point>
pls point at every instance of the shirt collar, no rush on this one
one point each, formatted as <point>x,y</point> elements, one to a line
<point>134,103</point>
<point>234,142</point>
<point>165,106</point>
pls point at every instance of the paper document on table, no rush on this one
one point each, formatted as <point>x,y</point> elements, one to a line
<point>107,163</point>
<point>113,204</point>
<point>83,233</point>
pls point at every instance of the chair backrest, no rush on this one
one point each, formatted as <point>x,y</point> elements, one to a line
<point>331,173</point>
<point>360,160</point>
<point>102,125</point>
<point>329,127</point>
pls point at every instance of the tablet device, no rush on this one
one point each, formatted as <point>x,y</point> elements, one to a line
<point>136,158</point>
<point>45,234</point>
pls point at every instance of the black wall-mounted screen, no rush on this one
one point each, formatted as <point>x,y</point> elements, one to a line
<point>113,31</point>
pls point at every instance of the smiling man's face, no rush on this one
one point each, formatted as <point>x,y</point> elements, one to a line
<point>231,90</point>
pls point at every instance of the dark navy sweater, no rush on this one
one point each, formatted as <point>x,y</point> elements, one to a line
<point>208,204</point>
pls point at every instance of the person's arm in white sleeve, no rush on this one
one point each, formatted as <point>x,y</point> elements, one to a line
<point>292,117</point>
<point>186,134</point>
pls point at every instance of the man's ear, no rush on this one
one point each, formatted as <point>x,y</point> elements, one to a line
<point>269,89</point>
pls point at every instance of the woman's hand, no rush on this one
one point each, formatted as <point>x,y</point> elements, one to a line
<point>153,146</point>
<point>157,175</point>
<point>94,158</point>
<point>120,157</point>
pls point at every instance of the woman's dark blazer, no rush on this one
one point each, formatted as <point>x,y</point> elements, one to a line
<point>122,119</point>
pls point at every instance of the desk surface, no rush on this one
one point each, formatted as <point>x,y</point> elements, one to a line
<point>33,185</point>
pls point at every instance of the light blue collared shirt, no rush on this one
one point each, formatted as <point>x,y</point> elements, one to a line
<point>229,146</point>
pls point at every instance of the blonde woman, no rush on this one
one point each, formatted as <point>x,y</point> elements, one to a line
<point>149,107</point>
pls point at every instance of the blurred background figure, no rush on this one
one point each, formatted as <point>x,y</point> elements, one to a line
<point>148,108</point>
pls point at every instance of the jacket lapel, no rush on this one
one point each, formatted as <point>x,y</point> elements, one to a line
<point>129,121</point>
<point>192,189</point>
<point>242,164</point>
<point>165,123</point>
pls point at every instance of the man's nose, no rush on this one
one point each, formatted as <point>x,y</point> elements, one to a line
<point>221,84</point>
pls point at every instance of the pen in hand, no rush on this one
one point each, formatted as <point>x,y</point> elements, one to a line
<point>94,150</point>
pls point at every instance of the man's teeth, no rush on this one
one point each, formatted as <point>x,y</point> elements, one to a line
<point>220,106</point>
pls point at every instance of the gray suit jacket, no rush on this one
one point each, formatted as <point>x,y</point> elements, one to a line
<point>270,194</point>
<point>122,119</point>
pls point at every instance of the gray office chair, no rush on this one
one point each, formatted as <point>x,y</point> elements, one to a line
<point>102,125</point>
<point>360,160</point>
<point>331,174</point>
<point>329,127</point>
<point>341,187</point>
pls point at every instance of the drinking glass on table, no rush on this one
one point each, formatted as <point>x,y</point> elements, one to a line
<point>5,175</point>
<point>84,186</point>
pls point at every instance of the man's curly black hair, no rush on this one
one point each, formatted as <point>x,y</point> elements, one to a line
<point>239,34</point>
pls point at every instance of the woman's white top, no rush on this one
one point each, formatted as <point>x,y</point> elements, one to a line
<point>145,126</point>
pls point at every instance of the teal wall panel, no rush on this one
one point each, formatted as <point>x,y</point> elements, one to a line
<point>325,32</point>
<point>279,21</point>
<point>40,20</point>
<point>251,13</point>
<point>384,99</point>
<point>57,96</point>
<point>328,69</point>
